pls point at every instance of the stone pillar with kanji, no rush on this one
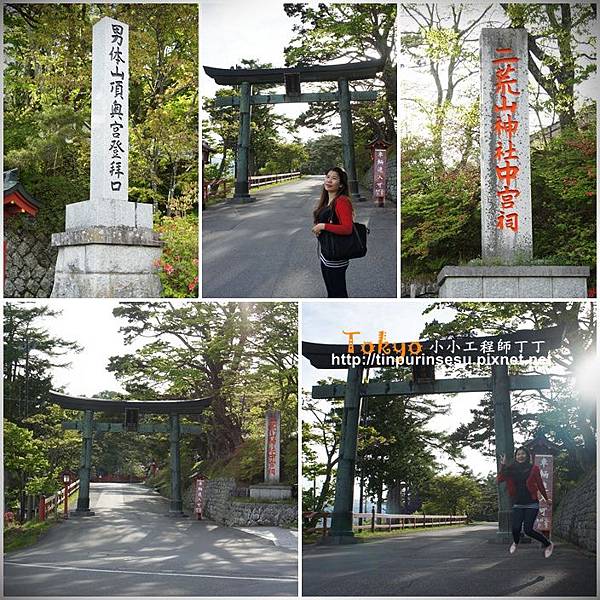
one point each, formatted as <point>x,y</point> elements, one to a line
<point>272,487</point>
<point>506,202</point>
<point>109,248</point>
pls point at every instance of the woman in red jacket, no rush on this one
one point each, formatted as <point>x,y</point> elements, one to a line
<point>523,482</point>
<point>334,213</point>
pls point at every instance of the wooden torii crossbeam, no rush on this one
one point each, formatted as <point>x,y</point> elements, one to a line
<point>131,410</point>
<point>292,78</point>
<point>518,345</point>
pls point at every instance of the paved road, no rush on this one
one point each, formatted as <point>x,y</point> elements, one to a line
<point>265,249</point>
<point>448,562</point>
<point>131,548</point>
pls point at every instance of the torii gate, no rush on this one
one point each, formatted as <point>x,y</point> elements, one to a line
<point>293,78</point>
<point>131,410</point>
<point>518,345</point>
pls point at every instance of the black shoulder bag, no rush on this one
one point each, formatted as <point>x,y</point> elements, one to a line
<point>343,247</point>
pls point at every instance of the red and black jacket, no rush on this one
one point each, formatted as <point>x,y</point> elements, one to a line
<point>343,212</point>
<point>534,483</point>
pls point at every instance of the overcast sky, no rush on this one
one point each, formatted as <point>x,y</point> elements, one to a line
<point>91,324</point>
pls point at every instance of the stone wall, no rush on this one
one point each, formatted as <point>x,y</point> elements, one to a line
<point>30,261</point>
<point>391,179</point>
<point>219,507</point>
<point>575,518</point>
<point>428,289</point>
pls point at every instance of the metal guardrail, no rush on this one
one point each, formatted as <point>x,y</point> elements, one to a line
<point>257,180</point>
<point>379,521</point>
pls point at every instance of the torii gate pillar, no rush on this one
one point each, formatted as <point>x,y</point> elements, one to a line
<point>176,506</point>
<point>504,444</point>
<point>348,139</point>
<point>341,523</point>
<point>242,190</point>
<point>85,467</point>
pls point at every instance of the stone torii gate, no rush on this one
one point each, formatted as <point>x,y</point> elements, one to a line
<point>519,345</point>
<point>131,410</point>
<point>293,78</point>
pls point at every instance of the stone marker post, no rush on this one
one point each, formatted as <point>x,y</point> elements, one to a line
<point>272,488</point>
<point>108,248</point>
<point>506,214</point>
<point>505,165</point>
<point>272,446</point>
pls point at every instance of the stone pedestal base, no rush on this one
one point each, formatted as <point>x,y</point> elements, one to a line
<point>271,491</point>
<point>243,199</point>
<point>337,540</point>
<point>82,513</point>
<point>107,262</point>
<point>513,282</point>
<point>108,213</point>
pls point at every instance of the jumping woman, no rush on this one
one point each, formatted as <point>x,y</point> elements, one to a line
<point>333,213</point>
<point>523,482</point>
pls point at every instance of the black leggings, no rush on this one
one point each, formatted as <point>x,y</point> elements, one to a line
<point>526,517</point>
<point>335,281</point>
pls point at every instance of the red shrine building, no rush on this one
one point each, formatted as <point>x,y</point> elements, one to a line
<point>16,198</point>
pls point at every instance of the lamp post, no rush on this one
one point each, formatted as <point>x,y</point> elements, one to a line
<point>66,476</point>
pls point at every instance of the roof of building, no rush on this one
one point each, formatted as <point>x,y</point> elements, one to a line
<point>12,185</point>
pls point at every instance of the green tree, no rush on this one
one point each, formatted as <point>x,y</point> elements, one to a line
<point>323,152</point>
<point>287,157</point>
<point>320,438</point>
<point>241,355</point>
<point>440,42</point>
<point>453,495</point>
<point>396,446</point>
<point>355,32</point>
<point>561,44</point>
<point>30,352</point>
<point>25,463</point>
<point>267,128</point>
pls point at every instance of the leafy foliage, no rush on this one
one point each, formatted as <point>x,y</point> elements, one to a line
<point>321,154</point>
<point>562,54</point>
<point>241,355</point>
<point>453,495</point>
<point>178,264</point>
<point>29,352</point>
<point>441,206</point>
<point>563,190</point>
<point>354,32</point>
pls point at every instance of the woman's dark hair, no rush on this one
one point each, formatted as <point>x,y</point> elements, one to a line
<point>342,191</point>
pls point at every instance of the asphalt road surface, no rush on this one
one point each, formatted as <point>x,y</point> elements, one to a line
<point>265,249</point>
<point>446,562</point>
<point>132,548</point>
